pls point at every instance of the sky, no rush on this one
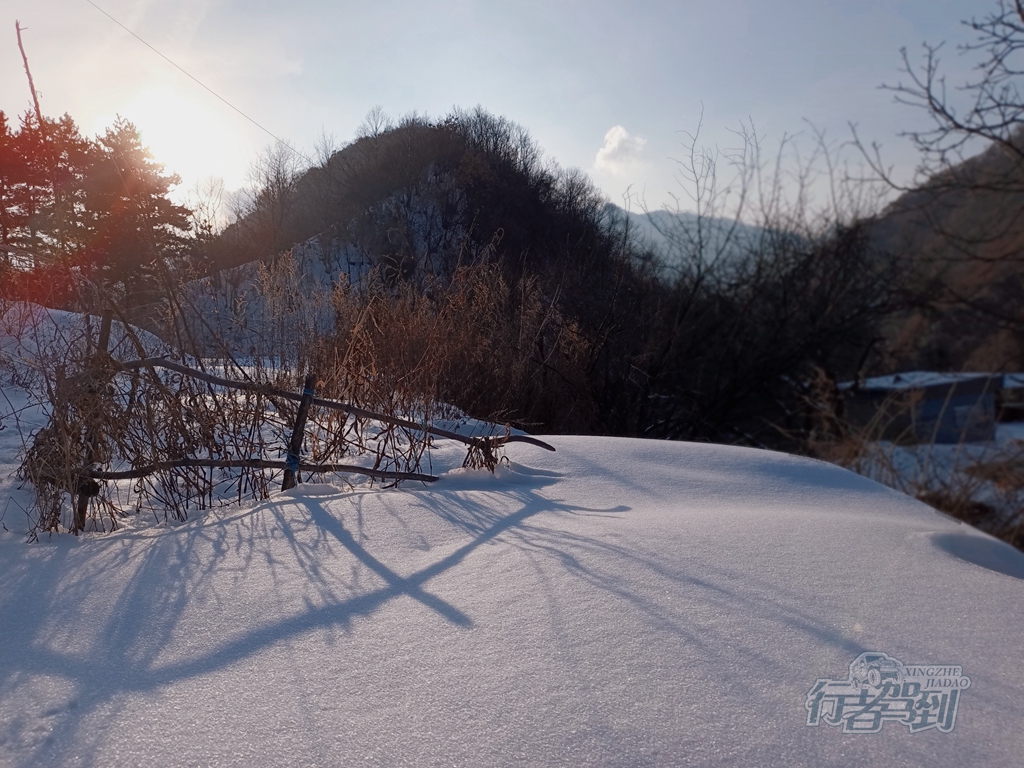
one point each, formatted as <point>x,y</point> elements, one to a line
<point>614,89</point>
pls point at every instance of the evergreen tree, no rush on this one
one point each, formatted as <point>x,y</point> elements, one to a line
<point>69,158</point>
<point>42,170</point>
<point>131,222</point>
<point>69,205</point>
<point>30,191</point>
<point>9,162</point>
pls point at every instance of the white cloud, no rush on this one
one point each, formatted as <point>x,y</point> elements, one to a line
<point>620,151</point>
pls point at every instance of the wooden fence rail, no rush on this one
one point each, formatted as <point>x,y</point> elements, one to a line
<point>355,469</point>
<point>251,386</point>
<point>82,483</point>
<point>87,487</point>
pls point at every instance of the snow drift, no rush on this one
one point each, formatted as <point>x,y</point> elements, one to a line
<point>617,603</point>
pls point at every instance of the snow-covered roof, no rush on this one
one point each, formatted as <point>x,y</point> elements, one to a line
<point>918,379</point>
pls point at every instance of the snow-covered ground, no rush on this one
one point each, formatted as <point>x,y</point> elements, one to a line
<point>618,602</point>
<point>987,473</point>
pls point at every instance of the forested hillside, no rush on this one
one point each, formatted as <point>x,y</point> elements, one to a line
<point>960,238</point>
<point>540,304</point>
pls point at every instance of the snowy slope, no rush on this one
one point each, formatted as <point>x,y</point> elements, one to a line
<point>30,331</point>
<point>616,603</point>
<point>260,306</point>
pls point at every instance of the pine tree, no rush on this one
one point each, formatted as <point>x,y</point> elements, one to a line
<point>131,221</point>
<point>41,187</point>
<point>71,206</point>
<point>30,189</point>
<point>9,162</point>
<point>68,160</point>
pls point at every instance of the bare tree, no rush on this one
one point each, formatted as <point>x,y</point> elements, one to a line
<point>989,107</point>
<point>763,284</point>
<point>267,205</point>
<point>376,123</point>
<point>957,224</point>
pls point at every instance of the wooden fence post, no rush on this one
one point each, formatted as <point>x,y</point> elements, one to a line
<point>87,487</point>
<point>298,432</point>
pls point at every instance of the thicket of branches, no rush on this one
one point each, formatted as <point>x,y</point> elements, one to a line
<point>144,428</point>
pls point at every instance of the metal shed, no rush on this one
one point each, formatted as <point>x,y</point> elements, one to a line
<point>926,407</point>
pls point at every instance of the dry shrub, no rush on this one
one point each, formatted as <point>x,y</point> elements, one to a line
<point>476,342</point>
<point>492,349</point>
<point>80,432</point>
<point>1007,474</point>
<point>145,432</point>
<point>108,421</point>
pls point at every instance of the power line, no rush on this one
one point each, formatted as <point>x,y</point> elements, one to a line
<point>200,82</point>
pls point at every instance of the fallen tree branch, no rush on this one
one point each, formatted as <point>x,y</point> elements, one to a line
<point>134,474</point>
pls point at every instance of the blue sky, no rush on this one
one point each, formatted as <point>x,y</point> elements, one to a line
<point>604,86</point>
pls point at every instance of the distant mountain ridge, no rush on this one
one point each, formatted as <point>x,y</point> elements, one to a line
<point>678,235</point>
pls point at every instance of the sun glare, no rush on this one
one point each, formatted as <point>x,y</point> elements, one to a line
<point>185,136</point>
